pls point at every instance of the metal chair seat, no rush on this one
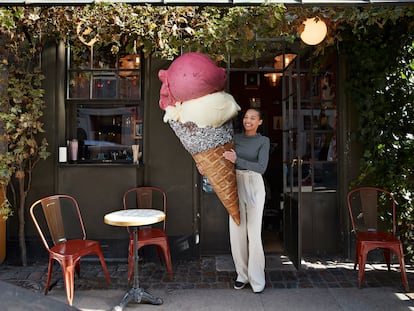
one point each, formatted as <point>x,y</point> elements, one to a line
<point>58,218</point>
<point>367,207</point>
<point>152,198</point>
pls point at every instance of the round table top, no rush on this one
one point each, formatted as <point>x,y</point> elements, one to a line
<point>134,217</point>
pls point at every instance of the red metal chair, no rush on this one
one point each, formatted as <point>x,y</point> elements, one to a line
<point>150,198</point>
<point>367,207</point>
<point>57,219</point>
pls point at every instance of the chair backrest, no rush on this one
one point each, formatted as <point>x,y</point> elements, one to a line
<point>146,197</point>
<point>57,218</point>
<point>372,209</point>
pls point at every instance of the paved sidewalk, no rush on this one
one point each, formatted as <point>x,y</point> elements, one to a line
<point>297,299</point>
<point>206,284</point>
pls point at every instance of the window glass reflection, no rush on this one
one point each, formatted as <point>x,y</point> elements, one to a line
<point>105,134</point>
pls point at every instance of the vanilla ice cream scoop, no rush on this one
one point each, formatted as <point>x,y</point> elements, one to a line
<point>210,110</point>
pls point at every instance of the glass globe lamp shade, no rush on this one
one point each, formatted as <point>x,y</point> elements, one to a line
<point>314,31</point>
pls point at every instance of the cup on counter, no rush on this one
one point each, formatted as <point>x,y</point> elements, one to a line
<point>63,154</point>
<point>73,146</point>
<point>135,154</point>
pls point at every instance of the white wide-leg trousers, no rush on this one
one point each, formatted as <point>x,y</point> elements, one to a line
<point>246,239</point>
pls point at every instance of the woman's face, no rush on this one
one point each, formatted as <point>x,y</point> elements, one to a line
<point>251,121</point>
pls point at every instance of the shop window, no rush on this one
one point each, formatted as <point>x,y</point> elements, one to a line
<point>104,110</point>
<point>315,128</point>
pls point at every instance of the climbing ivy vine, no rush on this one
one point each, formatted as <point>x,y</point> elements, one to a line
<point>381,85</point>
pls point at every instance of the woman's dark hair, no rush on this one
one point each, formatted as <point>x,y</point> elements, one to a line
<point>261,116</point>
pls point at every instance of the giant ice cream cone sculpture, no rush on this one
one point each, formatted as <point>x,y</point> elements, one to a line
<point>200,113</point>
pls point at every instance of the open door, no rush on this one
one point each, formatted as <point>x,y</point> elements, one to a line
<point>292,164</point>
<point>309,158</point>
<point>297,99</point>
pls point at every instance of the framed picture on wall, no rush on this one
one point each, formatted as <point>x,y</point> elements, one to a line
<point>255,102</point>
<point>251,80</point>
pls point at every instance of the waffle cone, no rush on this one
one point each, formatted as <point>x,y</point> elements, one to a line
<point>222,176</point>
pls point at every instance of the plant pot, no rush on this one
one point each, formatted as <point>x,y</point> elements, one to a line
<point>2,228</point>
<point>2,240</point>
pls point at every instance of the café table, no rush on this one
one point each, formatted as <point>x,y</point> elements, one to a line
<point>134,218</point>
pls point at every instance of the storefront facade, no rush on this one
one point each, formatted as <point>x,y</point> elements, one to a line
<point>197,222</point>
<point>115,103</point>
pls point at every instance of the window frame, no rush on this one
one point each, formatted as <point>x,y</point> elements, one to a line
<point>127,109</point>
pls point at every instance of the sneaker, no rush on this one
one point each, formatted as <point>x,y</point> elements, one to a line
<point>239,285</point>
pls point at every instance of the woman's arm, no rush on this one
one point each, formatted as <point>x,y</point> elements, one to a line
<point>260,164</point>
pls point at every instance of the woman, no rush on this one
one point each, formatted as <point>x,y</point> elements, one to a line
<point>250,157</point>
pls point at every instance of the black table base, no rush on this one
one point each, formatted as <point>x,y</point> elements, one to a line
<point>137,294</point>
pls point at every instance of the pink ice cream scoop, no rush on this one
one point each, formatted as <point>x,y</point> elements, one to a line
<point>190,76</point>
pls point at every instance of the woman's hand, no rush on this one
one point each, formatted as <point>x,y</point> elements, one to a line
<point>200,169</point>
<point>230,155</point>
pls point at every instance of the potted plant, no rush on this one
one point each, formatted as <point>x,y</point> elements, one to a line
<point>5,207</point>
<point>23,103</point>
<point>5,212</point>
